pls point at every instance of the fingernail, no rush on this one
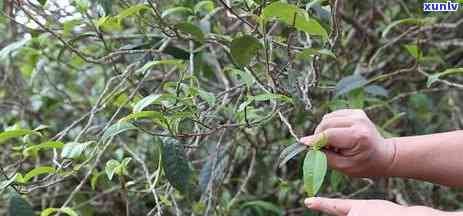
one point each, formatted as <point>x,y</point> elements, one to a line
<point>309,201</point>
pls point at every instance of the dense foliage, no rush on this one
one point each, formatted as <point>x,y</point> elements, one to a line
<point>164,107</point>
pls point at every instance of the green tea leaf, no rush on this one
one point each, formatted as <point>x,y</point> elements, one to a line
<point>32,150</point>
<point>12,48</point>
<point>350,83</point>
<point>73,150</point>
<point>116,129</point>
<point>133,10</point>
<point>142,115</point>
<point>110,168</point>
<point>151,64</point>
<point>294,16</point>
<point>176,165</point>
<point>42,2</point>
<point>107,6</point>
<point>204,5</point>
<point>6,135</point>
<point>208,97</point>
<point>314,171</point>
<point>377,90</point>
<point>66,210</point>
<point>33,173</point>
<point>83,5</point>
<point>308,53</point>
<point>109,24</point>
<point>244,77</point>
<point>191,29</point>
<point>408,21</point>
<point>414,50</point>
<point>69,211</point>
<point>19,206</point>
<point>270,96</point>
<point>177,10</point>
<point>146,101</point>
<point>289,152</point>
<point>244,48</point>
<point>435,77</point>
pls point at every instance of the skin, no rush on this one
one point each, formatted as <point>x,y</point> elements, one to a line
<point>356,148</point>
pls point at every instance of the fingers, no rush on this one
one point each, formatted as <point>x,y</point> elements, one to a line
<point>334,122</point>
<point>344,112</point>
<point>337,137</point>
<point>337,207</point>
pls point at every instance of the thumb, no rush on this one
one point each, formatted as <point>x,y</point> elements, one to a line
<point>337,207</point>
<point>337,137</point>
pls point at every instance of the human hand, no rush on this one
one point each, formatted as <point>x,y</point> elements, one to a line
<point>355,147</point>
<point>344,207</point>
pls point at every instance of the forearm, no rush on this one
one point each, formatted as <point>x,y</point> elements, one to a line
<point>436,158</point>
<point>426,211</point>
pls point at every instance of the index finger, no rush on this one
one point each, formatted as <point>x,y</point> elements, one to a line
<point>343,112</point>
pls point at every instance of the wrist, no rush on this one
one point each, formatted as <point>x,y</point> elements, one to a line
<point>392,156</point>
<point>425,211</point>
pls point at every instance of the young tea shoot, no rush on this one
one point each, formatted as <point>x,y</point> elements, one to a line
<point>315,163</point>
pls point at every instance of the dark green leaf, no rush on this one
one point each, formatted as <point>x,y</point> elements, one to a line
<point>244,48</point>
<point>176,165</point>
<point>107,6</point>
<point>116,129</point>
<point>176,52</point>
<point>191,29</point>
<point>377,90</point>
<point>289,152</point>
<point>42,2</point>
<point>267,206</point>
<point>19,207</point>
<point>350,83</point>
<point>336,180</point>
